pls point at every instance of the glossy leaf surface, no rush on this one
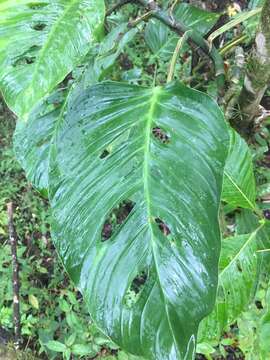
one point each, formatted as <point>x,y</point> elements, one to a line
<point>239,183</point>
<point>162,41</point>
<point>152,159</point>
<point>237,284</point>
<point>40,43</point>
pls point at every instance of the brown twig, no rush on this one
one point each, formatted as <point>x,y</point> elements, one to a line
<point>15,276</point>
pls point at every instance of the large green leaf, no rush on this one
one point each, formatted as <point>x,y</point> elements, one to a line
<point>153,159</point>
<point>237,284</point>
<point>239,183</point>
<point>40,43</point>
<point>32,138</point>
<point>162,41</point>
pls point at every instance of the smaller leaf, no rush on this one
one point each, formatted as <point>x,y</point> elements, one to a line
<point>71,339</point>
<point>33,301</point>
<point>73,321</point>
<point>124,356</point>
<point>56,346</point>
<point>67,354</point>
<point>205,348</point>
<point>237,280</point>
<point>101,340</point>
<point>227,341</point>
<point>64,306</point>
<point>83,350</point>
<point>239,182</point>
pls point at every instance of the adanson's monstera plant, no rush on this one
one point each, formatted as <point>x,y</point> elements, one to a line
<point>95,147</point>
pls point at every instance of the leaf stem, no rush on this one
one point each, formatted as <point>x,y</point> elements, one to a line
<point>176,52</point>
<point>263,250</point>
<point>230,45</point>
<point>144,17</point>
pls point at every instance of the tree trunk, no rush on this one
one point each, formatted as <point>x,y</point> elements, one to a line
<point>249,113</point>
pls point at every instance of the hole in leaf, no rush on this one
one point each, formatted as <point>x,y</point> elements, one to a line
<point>163,227</point>
<point>239,267</point>
<point>161,135</point>
<point>104,154</point>
<point>27,57</point>
<point>266,214</point>
<point>138,282</point>
<point>36,6</point>
<point>39,26</point>
<point>116,217</point>
<point>23,60</point>
<point>135,288</point>
<point>258,304</point>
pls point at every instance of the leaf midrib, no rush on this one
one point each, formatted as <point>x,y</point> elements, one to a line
<point>149,118</point>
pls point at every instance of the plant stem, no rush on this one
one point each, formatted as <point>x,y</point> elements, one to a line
<point>256,80</point>
<point>263,250</point>
<point>177,49</point>
<point>195,40</point>
<point>15,276</point>
<point>172,7</point>
<point>230,45</point>
<point>143,17</point>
